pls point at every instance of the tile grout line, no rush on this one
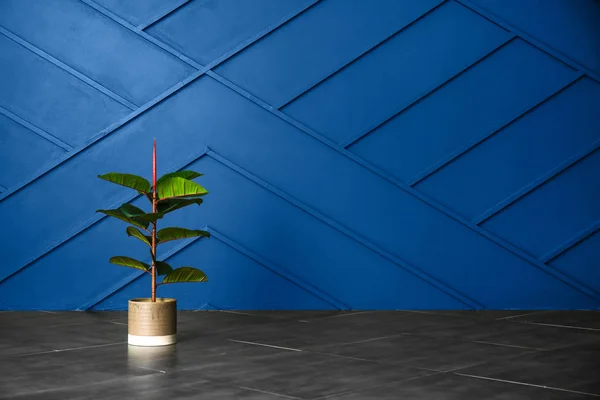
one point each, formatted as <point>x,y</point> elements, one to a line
<point>525,384</point>
<point>379,386</point>
<point>265,345</point>
<point>270,393</point>
<point>507,345</point>
<point>522,315</point>
<point>366,340</point>
<point>560,326</point>
<point>71,349</point>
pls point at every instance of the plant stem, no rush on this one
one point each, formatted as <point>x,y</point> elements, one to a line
<point>154,223</point>
<point>154,252</point>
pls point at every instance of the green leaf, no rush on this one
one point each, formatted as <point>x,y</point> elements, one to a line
<point>162,268</point>
<point>150,217</point>
<point>139,215</point>
<point>128,180</point>
<point>131,211</point>
<point>178,187</point>
<point>118,213</point>
<point>180,174</point>
<point>169,205</point>
<point>168,234</point>
<point>129,262</point>
<point>131,231</point>
<point>185,274</point>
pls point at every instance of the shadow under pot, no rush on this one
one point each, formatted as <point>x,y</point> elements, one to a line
<point>152,323</point>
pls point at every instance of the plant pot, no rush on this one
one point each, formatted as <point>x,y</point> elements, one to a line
<point>152,324</point>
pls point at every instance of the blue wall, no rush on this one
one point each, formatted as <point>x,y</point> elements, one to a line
<point>360,154</point>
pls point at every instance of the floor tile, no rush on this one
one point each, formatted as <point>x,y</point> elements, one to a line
<point>57,370</point>
<point>201,352</point>
<point>178,385</point>
<point>302,374</point>
<point>573,368</point>
<point>264,355</point>
<point>441,354</point>
<point>455,387</point>
<point>205,322</point>
<point>344,329</point>
<point>16,342</point>
<point>19,340</point>
<point>35,319</point>
<point>512,333</point>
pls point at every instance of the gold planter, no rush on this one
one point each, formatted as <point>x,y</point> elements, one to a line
<point>152,324</point>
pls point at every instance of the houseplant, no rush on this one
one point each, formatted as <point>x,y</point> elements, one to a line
<point>153,321</point>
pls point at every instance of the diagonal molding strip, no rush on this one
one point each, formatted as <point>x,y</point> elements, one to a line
<point>326,141</point>
<point>560,276</point>
<point>553,173</point>
<point>187,59</point>
<point>421,176</point>
<point>571,242</point>
<point>109,14</point>
<point>307,287</point>
<point>40,132</point>
<point>150,104</point>
<point>330,143</point>
<point>423,96</point>
<point>302,284</point>
<point>529,39</point>
<point>67,68</point>
<point>359,56</point>
<point>87,225</point>
<point>161,16</point>
<point>432,281</point>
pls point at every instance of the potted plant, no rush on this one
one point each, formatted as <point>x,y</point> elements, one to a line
<point>153,321</point>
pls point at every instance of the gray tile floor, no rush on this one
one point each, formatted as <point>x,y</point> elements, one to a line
<point>433,355</point>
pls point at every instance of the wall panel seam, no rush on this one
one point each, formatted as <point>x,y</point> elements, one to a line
<point>538,182</point>
<point>68,69</point>
<point>422,96</point>
<point>558,275</point>
<point>529,39</point>
<point>34,129</point>
<point>571,242</point>
<point>424,276</point>
<point>150,104</point>
<point>161,16</point>
<point>437,166</point>
<point>169,49</point>
<point>358,57</point>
